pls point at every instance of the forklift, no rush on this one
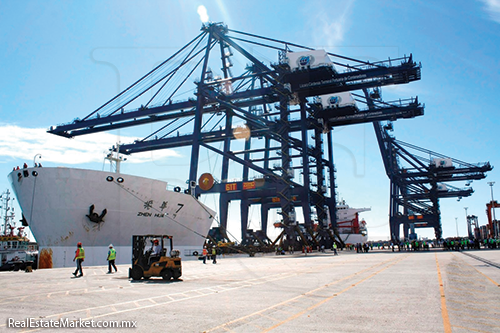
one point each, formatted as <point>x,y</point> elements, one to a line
<point>149,258</point>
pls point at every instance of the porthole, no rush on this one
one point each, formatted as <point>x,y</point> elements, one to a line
<point>34,173</point>
<point>109,178</point>
<point>119,180</point>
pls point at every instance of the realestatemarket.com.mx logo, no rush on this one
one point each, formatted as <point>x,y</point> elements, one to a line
<point>66,323</point>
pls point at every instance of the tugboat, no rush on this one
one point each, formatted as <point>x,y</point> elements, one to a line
<point>16,251</point>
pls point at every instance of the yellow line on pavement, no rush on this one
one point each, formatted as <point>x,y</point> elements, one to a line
<point>472,316</point>
<point>331,297</point>
<point>470,329</point>
<point>486,276</point>
<point>469,303</point>
<point>444,311</point>
<point>260,312</point>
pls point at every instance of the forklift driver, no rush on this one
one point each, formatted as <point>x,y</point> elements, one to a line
<point>155,251</point>
<point>156,248</point>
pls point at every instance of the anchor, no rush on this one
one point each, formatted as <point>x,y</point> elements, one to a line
<point>94,217</point>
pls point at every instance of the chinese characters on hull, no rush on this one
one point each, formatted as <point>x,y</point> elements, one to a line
<point>159,212</point>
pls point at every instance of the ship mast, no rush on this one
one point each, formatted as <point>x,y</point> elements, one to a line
<point>116,158</point>
<point>8,212</point>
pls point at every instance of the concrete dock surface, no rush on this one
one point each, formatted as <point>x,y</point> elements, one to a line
<point>380,291</point>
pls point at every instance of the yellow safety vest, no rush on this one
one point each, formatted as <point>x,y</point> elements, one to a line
<point>81,254</point>
<point>112,254</point>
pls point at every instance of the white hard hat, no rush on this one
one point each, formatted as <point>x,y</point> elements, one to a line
<point>110,245</point>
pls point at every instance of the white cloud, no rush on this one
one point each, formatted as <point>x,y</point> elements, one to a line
<point>24,143</point>
<point>202,11</point>
<point>329,26</point>
<point>402,91</point>
<point>492,7</point>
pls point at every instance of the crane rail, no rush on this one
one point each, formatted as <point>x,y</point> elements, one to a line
<point>486,261</point>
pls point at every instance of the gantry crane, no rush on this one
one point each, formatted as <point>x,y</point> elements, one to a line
<point>283,125</point>
<point>473,227</point>
<point>418,179</point>
<point>493,225</point>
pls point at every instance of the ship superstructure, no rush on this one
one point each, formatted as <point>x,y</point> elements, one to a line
<point>16,251</point>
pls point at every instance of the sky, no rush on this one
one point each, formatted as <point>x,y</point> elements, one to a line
<point>60,60</point>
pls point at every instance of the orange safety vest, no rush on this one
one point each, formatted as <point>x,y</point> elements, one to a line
<point>205,252</point>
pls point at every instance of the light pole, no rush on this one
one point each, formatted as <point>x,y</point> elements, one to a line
<point>456,222</point>
<point>495,231</point>
<point>467,222</point>
<point>34,158</point>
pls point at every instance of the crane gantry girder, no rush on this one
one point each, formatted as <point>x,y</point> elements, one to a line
<point>262,194</point>
<point>326,80</point>
<point>389,113</point>
<point>422,179</point>
<point>418,221</point>
<point>440,194</point>
<point>334,117</point>
<point>425,167</point>
<point>159,114</point>
<point>144,115</point>
<point>448,174</point>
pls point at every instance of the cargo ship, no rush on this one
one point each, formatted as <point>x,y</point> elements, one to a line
<point>64,206</point>
<point>352,230</point>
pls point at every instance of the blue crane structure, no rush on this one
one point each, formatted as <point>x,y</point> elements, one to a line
<point>418,179</point>
<point>284,125</point>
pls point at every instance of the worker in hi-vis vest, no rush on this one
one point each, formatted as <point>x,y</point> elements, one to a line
<point>79,257</point>
<point>111,258</point>
<point>205,254</point>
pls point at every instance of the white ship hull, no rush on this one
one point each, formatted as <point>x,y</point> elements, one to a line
<point>354,238</point>
<point>56,202</point>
